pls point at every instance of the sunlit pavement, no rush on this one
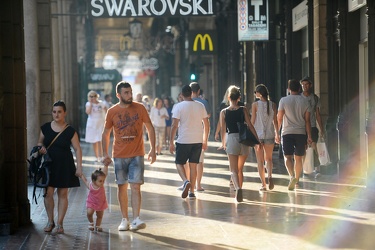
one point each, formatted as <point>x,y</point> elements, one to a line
<point>321,214</point>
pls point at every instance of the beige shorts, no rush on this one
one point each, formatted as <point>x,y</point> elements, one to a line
<point>234,147</point>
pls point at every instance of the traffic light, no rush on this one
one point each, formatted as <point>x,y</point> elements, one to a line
<point>193,73</point>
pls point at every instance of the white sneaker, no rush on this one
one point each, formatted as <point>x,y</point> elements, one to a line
<point>124,226</point>
<point>137,224</point>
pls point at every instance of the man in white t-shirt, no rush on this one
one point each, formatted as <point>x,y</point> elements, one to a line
<point>192,137</point>
<point>294,116</point>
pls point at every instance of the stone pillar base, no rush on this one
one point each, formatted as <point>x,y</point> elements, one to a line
<point>5,220</point>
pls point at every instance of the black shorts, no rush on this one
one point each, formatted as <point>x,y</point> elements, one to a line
<point>314,134</point>
<point>191,152</point>
<point>294,144</point>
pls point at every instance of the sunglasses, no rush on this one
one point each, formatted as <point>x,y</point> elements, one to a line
<point>92,96</point>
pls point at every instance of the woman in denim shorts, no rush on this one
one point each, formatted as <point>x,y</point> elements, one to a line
<point>265,122</point>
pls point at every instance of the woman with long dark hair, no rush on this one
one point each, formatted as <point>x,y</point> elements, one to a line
<point>263,117</point>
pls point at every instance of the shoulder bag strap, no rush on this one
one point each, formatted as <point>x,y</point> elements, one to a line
<point>243,115</point>
<point>54,139</point>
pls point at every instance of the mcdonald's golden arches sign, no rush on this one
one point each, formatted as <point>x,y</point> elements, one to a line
<point>202,42</point>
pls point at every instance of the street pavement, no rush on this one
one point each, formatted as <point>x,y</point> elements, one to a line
<point>324,213</point>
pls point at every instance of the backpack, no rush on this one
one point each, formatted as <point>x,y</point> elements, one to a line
<point>39,169</point>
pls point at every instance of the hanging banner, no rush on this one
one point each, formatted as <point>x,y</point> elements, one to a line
<point>150,8</point>
<point>253,22</point>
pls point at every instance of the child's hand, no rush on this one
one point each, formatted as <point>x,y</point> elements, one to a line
<point>83,177</point>
<point>105,170</point>
<point>85,181</point>
<point>106,161</point>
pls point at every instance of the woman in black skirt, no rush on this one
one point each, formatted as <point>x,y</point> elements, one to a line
<point>63,171</point>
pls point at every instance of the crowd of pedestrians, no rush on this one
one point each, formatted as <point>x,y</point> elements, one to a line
<point>183,128</point>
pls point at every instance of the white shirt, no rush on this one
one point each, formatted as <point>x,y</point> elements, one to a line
<point>190,114</point>
<point>156,116</point>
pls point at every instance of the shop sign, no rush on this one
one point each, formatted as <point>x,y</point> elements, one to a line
<point>253,22</point>
<point>102,75</point>
<point>149,63</point>
<point>355,4</point>
<point>202,42</point>
<point>151,8</point>
<point>299,16</point>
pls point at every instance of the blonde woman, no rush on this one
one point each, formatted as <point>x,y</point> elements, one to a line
<point>265,122</point>
<point>237,152</point>
<point>158,116</point>
<point>96,110</point>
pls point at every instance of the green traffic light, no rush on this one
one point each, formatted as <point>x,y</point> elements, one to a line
<point>193,77</point>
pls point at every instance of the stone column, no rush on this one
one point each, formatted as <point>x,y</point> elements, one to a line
<point>55,36</point>
<point>14,205</point>
<point>32,72</point>
<point>371,80</point>
<point>46,64</point>
<point>321,56</point>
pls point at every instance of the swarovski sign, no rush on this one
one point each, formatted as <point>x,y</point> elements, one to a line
<point>150,8</point>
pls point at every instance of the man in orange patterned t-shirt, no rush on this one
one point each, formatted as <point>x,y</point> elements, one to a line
<point>126,120</point>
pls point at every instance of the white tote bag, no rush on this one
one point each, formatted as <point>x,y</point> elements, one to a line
<point>308,163</point>
<point>323,153</point>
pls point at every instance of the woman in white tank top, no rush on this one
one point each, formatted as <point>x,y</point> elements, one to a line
<point>265,122</point>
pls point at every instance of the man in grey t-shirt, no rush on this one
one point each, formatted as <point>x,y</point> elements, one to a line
<point>315,118</point>
<point>195,88</point>
<point>294,116</point>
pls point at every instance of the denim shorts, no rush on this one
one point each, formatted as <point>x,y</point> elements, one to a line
<point>294,144</point>
<point>191,152</point>
<point>129,170</point>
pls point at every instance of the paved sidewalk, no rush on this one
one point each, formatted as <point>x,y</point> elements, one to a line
<point>321,214</point>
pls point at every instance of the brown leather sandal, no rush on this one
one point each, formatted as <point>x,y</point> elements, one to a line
<point>58,230</point>
<point>49,227</point>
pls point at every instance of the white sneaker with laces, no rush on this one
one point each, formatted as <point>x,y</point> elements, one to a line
<point>137,224</point>
<point>124,226</point>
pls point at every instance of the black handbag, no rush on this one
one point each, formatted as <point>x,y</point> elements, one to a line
<point>246,136</point>
<point>39,166</point>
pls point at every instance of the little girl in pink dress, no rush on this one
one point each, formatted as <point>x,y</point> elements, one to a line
<point>96,199</point>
